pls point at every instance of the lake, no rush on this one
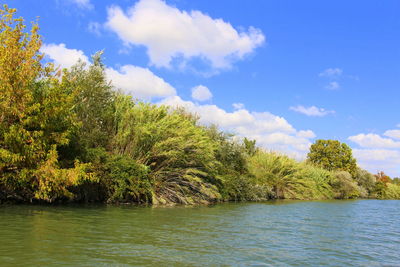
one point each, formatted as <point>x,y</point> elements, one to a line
<point>276,233</point>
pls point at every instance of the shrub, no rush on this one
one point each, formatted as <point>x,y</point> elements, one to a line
<point>344,186</point>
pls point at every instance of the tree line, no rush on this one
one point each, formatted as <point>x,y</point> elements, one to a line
<point>70,136</point>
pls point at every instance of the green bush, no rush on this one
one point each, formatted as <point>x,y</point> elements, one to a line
<point>179,153</point>
<point>128,181</point>
<point>391,191</point>
<point>344,186</point>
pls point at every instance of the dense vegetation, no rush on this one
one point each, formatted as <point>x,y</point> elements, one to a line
<point>71,136</point>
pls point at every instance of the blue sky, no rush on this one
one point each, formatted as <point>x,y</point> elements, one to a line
<point>282,72</point>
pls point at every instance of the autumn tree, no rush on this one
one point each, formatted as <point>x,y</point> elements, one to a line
<point>332,155</point>
<point>35,116</point>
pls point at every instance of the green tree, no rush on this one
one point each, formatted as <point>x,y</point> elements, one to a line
<point>332,155</point>
<point>232,174</point>
<point>93,106</point>
<point>344,186</point>
<point>366,181</point>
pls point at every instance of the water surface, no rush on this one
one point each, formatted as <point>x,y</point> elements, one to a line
<point>285,233</point>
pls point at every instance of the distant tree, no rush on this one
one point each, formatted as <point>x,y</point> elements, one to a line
<point>366,181</point>
<point>382,183</point>
<point>344,186</point>
<point>382,177</point>
<point>332,155</point>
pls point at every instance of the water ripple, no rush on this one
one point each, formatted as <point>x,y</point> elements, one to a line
<point>283,233</point>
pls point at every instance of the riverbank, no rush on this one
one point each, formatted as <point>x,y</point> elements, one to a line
<point>71,136</point>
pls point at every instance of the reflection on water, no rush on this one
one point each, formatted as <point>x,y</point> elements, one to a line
<point>280,233</point>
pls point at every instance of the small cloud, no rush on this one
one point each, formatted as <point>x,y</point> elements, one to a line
<point>331,73</point>
<point>139,82</point>
<point>63,56</point>
<point>312,111</point>
<point>83,4</point>
<point>201,93</point>
<point>95,27</point>
<point>238,106</point>
<point>398,125</point>
<point>332,86</point>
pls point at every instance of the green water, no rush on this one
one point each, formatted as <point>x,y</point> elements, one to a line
<point>287,233</point>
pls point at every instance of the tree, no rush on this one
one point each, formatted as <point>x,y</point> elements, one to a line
<point>366,181</point>
<point>333,156</point>
<point>344,186</point>
<point>93,106</point>
<point>35,118</point>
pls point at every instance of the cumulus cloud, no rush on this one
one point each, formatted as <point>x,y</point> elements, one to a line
<point>139,82</point>
<point>376,160</point>
<point>270,131</point>
<point>377,153</point>
<point>332,86</point>
<point>201,93</point>
<point>171,34</point>
<point>63,56</point>
<point>331,73</point>
<point>136,81</point>
<point>374,141</point>
<point>312,111</point>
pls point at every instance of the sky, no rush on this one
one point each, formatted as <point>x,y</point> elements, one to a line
<point>282,72</point>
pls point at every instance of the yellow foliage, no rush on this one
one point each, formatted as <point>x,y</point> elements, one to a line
<point>54,183</point>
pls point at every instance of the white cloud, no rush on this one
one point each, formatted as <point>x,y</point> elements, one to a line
<point>171,34</point>
<point>306,134</point>
<point>270,131</point>
<point>136,81</point>
<point>331,73</point>
<point>379,153</point>
<point>375,160</point>
<point>374,141</point>
<point>201,93</point>
<point>332,86</point>
<point>139,82</point>
<point>395,134</point>
<point>63,56</point>
<point>83,4</point>
<point>312,111</point>
<point>238,105</point>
